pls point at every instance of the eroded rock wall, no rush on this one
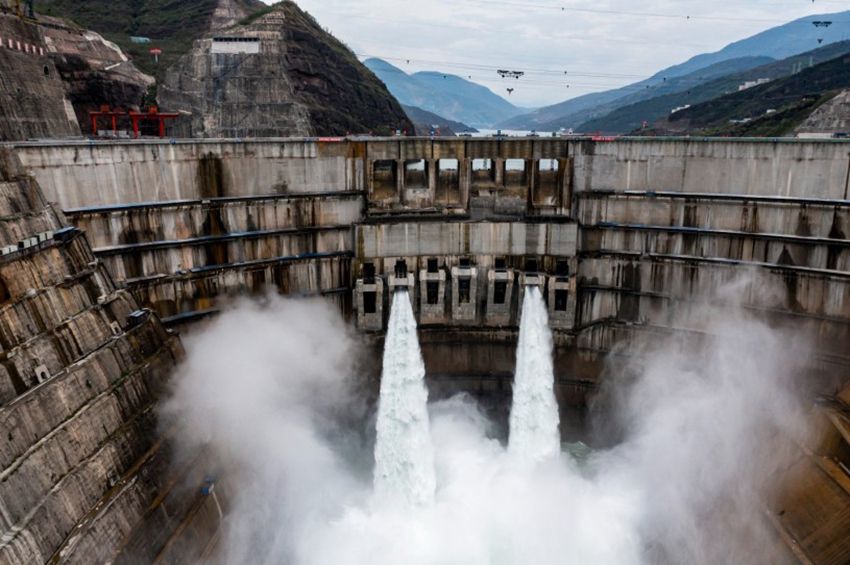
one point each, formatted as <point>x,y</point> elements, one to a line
<point>280,75</point>
<point>81,368</point>
<point>831,117</point>
<point>32,93</point>
<point>95,72</point>
<point>52,75</point>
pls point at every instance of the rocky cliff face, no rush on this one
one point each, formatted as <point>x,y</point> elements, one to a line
<point>171,25</point>
<point>52,75</point>
<point>831,117</point>
<point>279,75</point>
<point>228,13</point>
<point>80,369</point>
<point>32,93</point>
<point>95,71</point>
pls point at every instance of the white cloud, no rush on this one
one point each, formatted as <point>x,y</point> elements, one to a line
<point>474,37</point>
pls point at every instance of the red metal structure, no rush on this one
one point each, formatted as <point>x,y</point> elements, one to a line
<point>105,112</point>
<point>153,113</point>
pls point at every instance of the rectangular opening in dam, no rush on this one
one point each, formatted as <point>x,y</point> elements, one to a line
<point>463,290</point>
<point>546,182</point>
<point>416,173</point>
<point>561,295</point>
<point>41,374</point>
<point>369,273</point>
<point>448,181</point>
<point>516,173</point>
<point>370,302</point>
<point>500,291</point>
<point>432,265</point>
<point>562,268</point>
<point>400,268</point>
<point>483,171</point>
<point>432,289</point>
<point>384,178</point>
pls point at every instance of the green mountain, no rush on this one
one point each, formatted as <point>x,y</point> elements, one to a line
<point>446,95</point>
<point>311,84</point>
<point>671,86</point>
<point>574,112</point>
<point>632,116</point>
<point>779,42</point>
<point>171,25</point>
<point>424,121</point>
<point>772,109</point>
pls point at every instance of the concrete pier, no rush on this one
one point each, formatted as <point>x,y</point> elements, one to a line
<point>432,294</point>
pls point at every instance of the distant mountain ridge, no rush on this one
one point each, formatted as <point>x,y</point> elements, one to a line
<point>424,121</point>
<point>779,42</point>
<point>773,109</point>
<point>449,96</point>
<point>630,117</point>
<point>648,91</point>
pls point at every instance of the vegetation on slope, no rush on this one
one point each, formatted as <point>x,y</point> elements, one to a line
<point>630,117</point>
<point>424,122</point>
<point>771,109</point>
<point>172,25</point>
<point>667,87</point>
<point>777,43</point>
<point>341,94</point>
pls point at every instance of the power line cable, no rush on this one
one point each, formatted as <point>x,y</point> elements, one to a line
<point>566,74</point>
<point>608,12</point>
<point>476,66</point>
<point>493,29</point>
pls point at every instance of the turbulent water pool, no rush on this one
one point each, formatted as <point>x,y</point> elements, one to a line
<point>326,477</point>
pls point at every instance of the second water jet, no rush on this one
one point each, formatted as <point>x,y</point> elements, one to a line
<point>534,434</point>
<point>404,454</point>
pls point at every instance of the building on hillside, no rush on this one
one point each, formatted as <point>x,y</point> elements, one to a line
<point>751,83</point>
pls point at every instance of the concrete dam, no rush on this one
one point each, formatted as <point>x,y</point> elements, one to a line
<point>625,242</point>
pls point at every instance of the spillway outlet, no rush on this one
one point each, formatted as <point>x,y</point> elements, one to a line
<point>401,278</point>
<point>533,279</point>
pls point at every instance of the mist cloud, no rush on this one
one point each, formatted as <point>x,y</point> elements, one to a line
<point>700,427</point>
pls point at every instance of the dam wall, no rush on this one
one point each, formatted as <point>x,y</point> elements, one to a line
<point>664,223</point>
<point>184,224</point>
<point>81,174</point>
<point>674,233</point>
<point>619,230</point>
<point>631,240</point>
<point>751,167</point>
<point>88,174</point>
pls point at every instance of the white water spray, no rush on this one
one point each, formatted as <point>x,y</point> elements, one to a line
<point>404,453</point>
<point>534,412</point>
<point>282,433</point>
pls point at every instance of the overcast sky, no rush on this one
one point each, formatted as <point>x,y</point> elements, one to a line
<point>601,44</point>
